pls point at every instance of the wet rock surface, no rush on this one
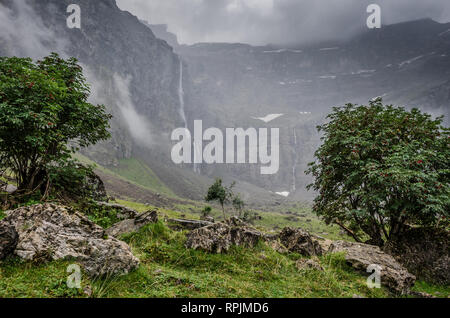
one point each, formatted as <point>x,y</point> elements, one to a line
<point>52,232</point>
<point>219,237</point>
<point>360,256</point>
<point>300,241</point>
<point>134,224</point>
<point>8,239</point>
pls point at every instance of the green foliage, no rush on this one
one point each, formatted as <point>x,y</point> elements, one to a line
<point>100,215</point>
<point>45,116</point>
<point>238,204</point>
<point>70,180</point>
<point>220,193</point>
<point>206,211</point>
<point>380,168</point>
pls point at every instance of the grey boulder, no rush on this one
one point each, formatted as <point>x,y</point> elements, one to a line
<point>53,232</point>
<point>393,275</point>
<point>132,225</point>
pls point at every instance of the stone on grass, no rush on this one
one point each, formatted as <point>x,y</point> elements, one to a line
<point>393,275</point>
<point>53,232</point>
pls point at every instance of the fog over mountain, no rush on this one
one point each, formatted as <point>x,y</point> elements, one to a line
<point>260,22</point>
<point>152,85</point>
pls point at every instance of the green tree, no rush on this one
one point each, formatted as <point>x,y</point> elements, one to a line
<point>45,116</point>
<point>238,204</point>
<point>220,193</point>
<point>381,168</point>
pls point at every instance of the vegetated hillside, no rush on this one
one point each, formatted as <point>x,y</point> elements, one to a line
<point>407,64</point>
<point>141,80</point>
<point>170,270</point>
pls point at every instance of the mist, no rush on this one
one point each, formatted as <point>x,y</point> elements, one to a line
<point>24,33</point>
<point>138,126</point>
<point>261,22</point>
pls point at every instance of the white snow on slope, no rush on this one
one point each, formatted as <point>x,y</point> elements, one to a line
<point>269,117</point>
<point>329,48</point>
<point>283,51</point>
<point>410,61</point>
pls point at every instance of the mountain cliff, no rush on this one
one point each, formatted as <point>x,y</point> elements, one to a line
<point>154,85</point>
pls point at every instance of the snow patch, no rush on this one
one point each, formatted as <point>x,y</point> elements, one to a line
<point>283,51</point>
<point>328,77</point>
<point>410,61</point>
<point>283,194</point>
<point>268,118</point>
<point>329,49</point>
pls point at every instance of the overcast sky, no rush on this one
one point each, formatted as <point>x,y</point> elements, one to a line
<point>275,21</point>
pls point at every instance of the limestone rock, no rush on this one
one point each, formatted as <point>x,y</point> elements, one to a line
<point>133,225</point>
<point>300,241</point>
<point>219,237</point>
<point>123,213</point>
<point>9,188</point>
<point>95,186</point>
<point>208,219</point>
<point>8,239</point>
<point>182,224</point>
<point>360,256</point>
<point>53,232</point>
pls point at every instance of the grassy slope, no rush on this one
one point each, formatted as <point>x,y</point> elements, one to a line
<point>168,269</point>
<point>138,172</point>
<point>131,170</point>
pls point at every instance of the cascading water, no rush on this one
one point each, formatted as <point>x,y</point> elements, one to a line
<point>181,95</point>
<point>294,167</point>
<point>183,114</point>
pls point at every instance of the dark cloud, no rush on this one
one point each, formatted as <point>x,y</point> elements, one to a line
<point>276,21</point>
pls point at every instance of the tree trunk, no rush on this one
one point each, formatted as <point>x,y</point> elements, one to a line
<point>223,211</point>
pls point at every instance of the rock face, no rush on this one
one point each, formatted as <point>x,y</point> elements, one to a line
<point>132,225</point>
<point>299,241</point>
<point>360,256</point>
<point>53,232</point>
<point>96,187</point>
<point>219,237</point>
<point>425,252</point>
<point>9,188</point>
<point>8,239</point>
<point>181,224</point>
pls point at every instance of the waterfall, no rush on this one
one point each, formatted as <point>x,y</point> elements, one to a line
<point>183,114</point>
<point>181,96</point>
<point>294,171</point>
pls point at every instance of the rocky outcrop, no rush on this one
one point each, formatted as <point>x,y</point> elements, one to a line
<point>299,241</point>
<point>9,188</point>
<point>133,225</point>
<point>219,237</point>
<point>53,232</point>
<point>94,184</point>
<point>181,224</point>
<point>123,213</point>
<point>8,239</point>
<point>360,256</point>
<point>425,252</point>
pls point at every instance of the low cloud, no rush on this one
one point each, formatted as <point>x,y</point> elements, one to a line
<point>276,21</point>
<point>23,34</point>
<point>138,126</point>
